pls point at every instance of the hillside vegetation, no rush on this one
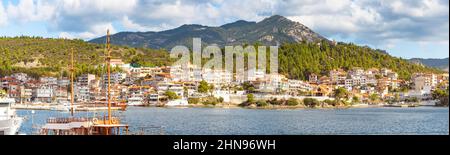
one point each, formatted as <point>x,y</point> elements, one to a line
<point>298,60</point>
<point>50,57</point>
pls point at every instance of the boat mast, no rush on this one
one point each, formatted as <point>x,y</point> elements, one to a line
<point>71,85</point>
<point>108,63</point>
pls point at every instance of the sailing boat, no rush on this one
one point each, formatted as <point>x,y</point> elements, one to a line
<point>106,125</point>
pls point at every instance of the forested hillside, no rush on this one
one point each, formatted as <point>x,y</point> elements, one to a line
<point>43,56</point>
<point>50,57</point>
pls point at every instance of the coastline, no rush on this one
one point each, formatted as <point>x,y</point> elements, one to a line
<point>228,106</point>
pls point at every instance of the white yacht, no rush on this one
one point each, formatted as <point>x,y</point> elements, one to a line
<point>9,121</point>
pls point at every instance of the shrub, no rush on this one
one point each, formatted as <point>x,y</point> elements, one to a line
<point>261,103</point>
<point>292,102</point>
<point>310,102</point>
<point>330,102</point>
<point>220,99</point>
<point>250,98</point>
<point>276,102</point>
<point>172,95</point>
<point>193,100</point>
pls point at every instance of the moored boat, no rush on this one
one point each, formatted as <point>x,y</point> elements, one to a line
<point>9,121</point>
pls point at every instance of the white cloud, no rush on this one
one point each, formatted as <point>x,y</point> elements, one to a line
<point>30,10</point>
<point>374,22</point>
<point>66,35</point>
<point>94,31</point>
<point>3,15</point>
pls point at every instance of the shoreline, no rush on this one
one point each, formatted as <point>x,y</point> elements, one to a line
<point>226,106</point>
<point>277,107</point>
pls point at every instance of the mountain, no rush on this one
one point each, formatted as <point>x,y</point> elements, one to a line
<point>270,31</point>
<point>436,63</point>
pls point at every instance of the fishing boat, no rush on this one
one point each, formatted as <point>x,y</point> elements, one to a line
<point>106,125</point>
<point>9,121</point>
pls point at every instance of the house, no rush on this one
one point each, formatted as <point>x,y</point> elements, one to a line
<point>116,63</point>
<point>14,91</point>
<point>6,80</point>
<point>115,78</point>
<point>337,75</point>
<point>62,94</point>
<point>22,77</point>
<point>82,93</point>
<point>177,88</point>
<point>322,91</point>
<point>372,72</point>
<point>312,78</point>
<point>218,77</point>
<point>85,79</point>
<point>49,81</point>
<point>25,94</point>
<point>63,82</point>
<point>43,94</point>
<point>296,86</point>
<point>324,80</point>
<point>385,71</point>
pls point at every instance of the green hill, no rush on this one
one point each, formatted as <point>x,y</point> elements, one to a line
<point>50,57</point>
<point>45,56</point>
<point>298,60</point>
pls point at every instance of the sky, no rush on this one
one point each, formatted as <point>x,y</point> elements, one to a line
<point>404,28</point>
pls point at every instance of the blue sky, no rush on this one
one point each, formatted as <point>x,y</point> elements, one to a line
<point>404,28</point>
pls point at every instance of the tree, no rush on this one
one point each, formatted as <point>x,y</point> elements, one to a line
<point>292,102</point>
<point>442,95</point>
<point>203,87</point>
<point>250,98</point>
<point>248,86</point>
<point>439,93</point>
<point>172,95</point>
<point>311,102</point>
<point>340,93</point>
<point>261,103</point>
<point>373,97</point>
<point>355,99</point>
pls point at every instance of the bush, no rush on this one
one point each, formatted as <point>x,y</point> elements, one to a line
<point>250,98</point>
<point>193,100</point>
<point>355,99</point>
<point>310,102</point>
<point>172,95</point>
<point>210,101</point>
<point>245,104</point>
<point>261,103</point>
<point>330,102</point>
<point>292,102</point>
<point>275,102</point>
<point>220,99</point>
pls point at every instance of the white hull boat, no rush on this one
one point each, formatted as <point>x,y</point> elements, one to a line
<point>9,122</point>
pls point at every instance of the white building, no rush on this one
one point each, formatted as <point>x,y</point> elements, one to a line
<point>49,81</point>
<point>85,79</point>
<point>298,85</point>
<point>43,94</point>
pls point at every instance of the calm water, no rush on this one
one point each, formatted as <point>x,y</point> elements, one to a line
<point>207,121</point>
